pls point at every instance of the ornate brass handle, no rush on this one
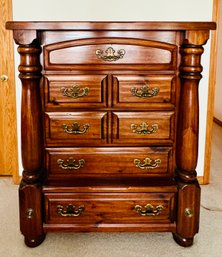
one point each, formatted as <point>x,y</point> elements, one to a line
<point>109,55</point>
<point>75,128</point>
<point>75,92</point>
<point>70,164</point>
<point>144,91</point>
<point>147,163</point>
<point>70,210</point>
<point>148,210</point>
<point>143,128</point>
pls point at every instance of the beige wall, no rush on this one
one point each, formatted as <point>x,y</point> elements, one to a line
<point>125,10</point>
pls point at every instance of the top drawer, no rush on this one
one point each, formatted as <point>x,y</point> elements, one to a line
<point>104,53</point>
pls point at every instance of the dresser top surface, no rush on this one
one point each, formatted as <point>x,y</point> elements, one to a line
<point>113,25</point>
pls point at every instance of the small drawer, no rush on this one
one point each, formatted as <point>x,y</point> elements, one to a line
<point>76,91</point>
<point>70,128</point>
<point>117,161</point>
<point>143,90</point>
<point>109,208</point>
<point>143,127</point>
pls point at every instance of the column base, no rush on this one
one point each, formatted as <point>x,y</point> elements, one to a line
<point>34,242</point>
<point>185,242</point>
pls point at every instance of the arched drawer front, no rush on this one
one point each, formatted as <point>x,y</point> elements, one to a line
<point>107,53</point>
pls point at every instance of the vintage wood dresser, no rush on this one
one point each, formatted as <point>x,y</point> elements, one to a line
<point>110,127</point>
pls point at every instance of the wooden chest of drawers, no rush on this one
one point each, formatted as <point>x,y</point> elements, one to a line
<point>110,126</point>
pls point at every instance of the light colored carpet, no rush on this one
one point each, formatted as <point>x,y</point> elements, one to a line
<point>208,242</point>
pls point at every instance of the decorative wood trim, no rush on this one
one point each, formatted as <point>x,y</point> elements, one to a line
<point>112,26</point>
<point>217,121</point>
<point>210,107</point>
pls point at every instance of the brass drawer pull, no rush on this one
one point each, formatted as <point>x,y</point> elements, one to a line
<point>70,210</point>
<point>188,212</point>
<point>147,163</point>
<point>75,128</point>
<point>71,164</point>
<point>109,55</point>
<point>148,210</point>
<point>143,128</point>
<point>75,92</point>
<point>144,91</point>
<point>29,213</point>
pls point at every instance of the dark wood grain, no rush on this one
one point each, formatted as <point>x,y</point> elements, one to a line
<point>30,193</point>
<point>142,113</point>
<point>128,127</point>
<point>55,85</point>
<point>124,98</point>
<point>30,198</point>
<point>68,25</point>
<point>60,131</point>
<point>98,206</point>
<point>110,162</point>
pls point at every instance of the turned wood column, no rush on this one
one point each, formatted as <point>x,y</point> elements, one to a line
<point>30,193</point>
<point>187,137</point>
<point>30,75</point>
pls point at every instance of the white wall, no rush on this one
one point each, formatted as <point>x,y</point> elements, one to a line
<point>218,86</point>
<point>125,10</point>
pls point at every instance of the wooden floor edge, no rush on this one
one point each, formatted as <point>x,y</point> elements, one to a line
<point>217,121</point>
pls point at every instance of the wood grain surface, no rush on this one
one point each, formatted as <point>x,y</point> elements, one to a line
<point>8,127</point>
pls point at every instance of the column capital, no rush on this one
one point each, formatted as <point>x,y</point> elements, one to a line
<point>25,37</point>
<point>196,37</point>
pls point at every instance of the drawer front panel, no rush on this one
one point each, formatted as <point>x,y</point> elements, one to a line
<point>156,161</point>
<point>75,91</point>
<point>76,127</point>
<point>143,127</point>
<point>103,53</point>
<point>71,208</point>
<point>144,90</point>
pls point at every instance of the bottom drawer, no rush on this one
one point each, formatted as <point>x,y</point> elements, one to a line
<point>109,208</point>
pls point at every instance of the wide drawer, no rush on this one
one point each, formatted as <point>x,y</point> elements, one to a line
<point>109,208</point>
<point>143,127</point>
<point>76,128</point>
<point>143,90</point>
<point>77,91</point>
<point>110,53</point>
<point>78,162</point>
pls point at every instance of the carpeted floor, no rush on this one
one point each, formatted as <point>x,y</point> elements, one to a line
<point>208,243</point>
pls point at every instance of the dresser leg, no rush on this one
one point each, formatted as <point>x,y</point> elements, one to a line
<point>185,242</point>
<point>188,211</point>
<point>35,241</point>
<point>30,204</point>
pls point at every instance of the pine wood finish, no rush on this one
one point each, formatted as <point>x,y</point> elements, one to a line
<point>8,129</point>
<point>110,126</point>
<point>214,55</point>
